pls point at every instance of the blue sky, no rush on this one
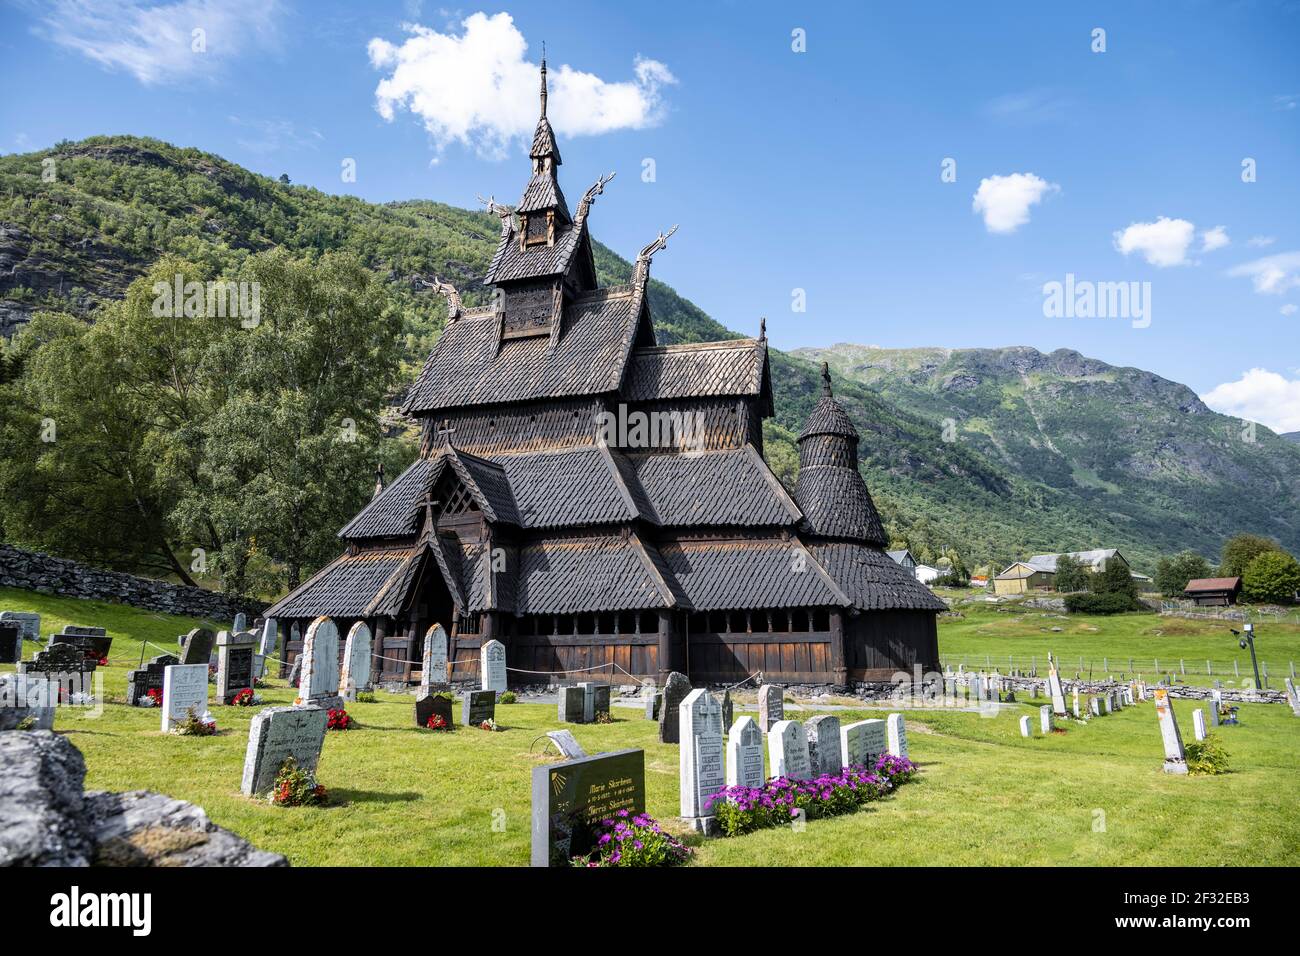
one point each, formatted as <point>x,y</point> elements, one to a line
<point>817,170</point>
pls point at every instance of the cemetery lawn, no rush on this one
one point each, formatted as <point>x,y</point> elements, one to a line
<point>1094,795</point>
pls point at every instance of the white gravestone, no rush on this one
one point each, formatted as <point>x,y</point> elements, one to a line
<point>1045,722</point>
<point>1024,727</point>
<point>745,754</point>
<point>185,686</point>
<point>492,666</point>
<point>896,733</point>
<point>771,707</point>
<point>1198,723</point>
<point>787,750</point>
<point>824,754</point>
<point>433,666</point>
<point>861,744</point>
<point>1175,756</point>
<point>1094,705</point>
<point>1054,685</point>
<point>276,734</point>
<point>701,772</point>
<point>1077,713</point>
<point>318,684</point>
<point>356,662</point>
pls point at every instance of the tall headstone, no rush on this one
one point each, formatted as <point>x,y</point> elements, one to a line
<point>492,666</point>
<point>1054,686</point>
<point>1198,723</point>
<point>824,753</point>
<point>700,769</point>
<point>1292,696</point>
<point>571,797</point>
<point>197,647</point>
<point>234,664</point>
<point>588,701</point>
<point>276,734</point>
<point>771,707</point>
<point>1075,708</point>
<point>185,688</point>
<point>318,684</point>
<point>1024,727</point>
<point>862,743</point>
<point>1175,756</point>
<point>745,754</point>
<point>676,687</point>
<point>572,705</point>
<point>787,751</point>
<point>433,667</point>
<point>355,677</point>
<point>1045,722</point>
<point>270,645</point>
<point>896,734</point>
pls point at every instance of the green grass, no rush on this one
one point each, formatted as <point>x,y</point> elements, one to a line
<point>401,796</point>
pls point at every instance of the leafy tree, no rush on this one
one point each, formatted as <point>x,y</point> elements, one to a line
<point>1115,583</point>
<point>1273,577</point>
<point>1240,550</point>
<point>1071,575</point>
<point>1173,573</point>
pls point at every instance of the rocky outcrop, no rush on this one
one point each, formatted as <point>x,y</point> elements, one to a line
<point>33,571</point>
<point>46,818</point>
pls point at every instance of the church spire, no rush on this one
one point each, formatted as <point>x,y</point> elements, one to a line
<point>543,81</point>
<point>826,380</point>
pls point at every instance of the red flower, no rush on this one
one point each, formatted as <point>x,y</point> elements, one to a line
<point>436,722</point>
<point>103,661</point>
<point>338,719</point>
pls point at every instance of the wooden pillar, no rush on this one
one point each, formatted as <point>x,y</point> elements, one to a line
<point>839,670</point>
<point>665,646</point>
<point>377,650</point>
<point>412,635</point>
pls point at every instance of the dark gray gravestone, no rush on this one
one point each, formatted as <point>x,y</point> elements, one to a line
<point>11,643</point>
<point>427,705</point>
<point>144,679</point>
<point>572,703</point>
<point>28,622</point>
<point>675,690</point>
<point>600,701</point>
<point>197,648</point>
<point>477,706</point>
<point>62,662</point>
<point>93,641</point>
<point>728,712</point>
<point>234,664</point>
<point>570,799</point>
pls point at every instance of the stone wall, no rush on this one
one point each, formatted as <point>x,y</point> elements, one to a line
<point>32,571</point>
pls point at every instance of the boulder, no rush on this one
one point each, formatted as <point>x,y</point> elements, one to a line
<point>43,818</point>
<point>142,828</point>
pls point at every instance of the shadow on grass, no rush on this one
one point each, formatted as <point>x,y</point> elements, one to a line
<point>340,797</point>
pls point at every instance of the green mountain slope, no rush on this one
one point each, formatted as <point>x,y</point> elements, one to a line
<point>1127,444</point>
<point>80,221</point>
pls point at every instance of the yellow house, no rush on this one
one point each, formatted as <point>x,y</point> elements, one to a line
<point>1022,577</point>
<point>1039,572</point>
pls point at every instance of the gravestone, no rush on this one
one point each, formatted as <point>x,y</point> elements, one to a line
<point>570,749</point>
<point>570,799</point>
<point>728,712</point>
<point>652,704</point>
<point>185,688</point>
<point>234,664</point>
<point>1094,705</point>
<point>295,671</point>
<point>600,704</point>
<point>700,769</point>
<point>824,754</point>
<point>197,646</point>
<point>276,734</point>
<point>23,696</point>
<point>862,743</point>
<point>241,621</point>
<point>28,622</point>
<point>588,701</point>
<point>1045,720</point>
<point>64,664</point>
<point>1175,756</point>
<point>1054,686</point>
<point>270,645</point>
<point>1198,723</point>
<point>476,706</point>
<point>94,642</point>
<point>1077,713</point>
<point>1292,696</point>
<point>355,676</point>
<point>319,684</point>
<point>1105,704</point>
<point>1024,727</point>
<point>150,677</point>
<point>745,754</point>
<point>429,703</point>
<point>433,666</point>
<point>787,751</point>
<point>896,734</point>
<point>572,705</point>
<point>492,666</point>
<point>11,643</point>
<point>771,707</point>
<point>676,687</point>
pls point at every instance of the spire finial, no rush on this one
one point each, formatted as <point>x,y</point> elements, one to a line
<point>543,78</point>
<point>826,379</point>
<point>762,327</point>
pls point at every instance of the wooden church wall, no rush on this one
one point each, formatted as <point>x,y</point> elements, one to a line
<point>878,644</point>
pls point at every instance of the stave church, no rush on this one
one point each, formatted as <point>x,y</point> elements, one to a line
<point>599,502</point>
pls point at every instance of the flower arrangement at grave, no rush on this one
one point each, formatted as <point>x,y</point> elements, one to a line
<point>438,722</point>
<point>245,698</point>
<point>196,725</point>
<point>488,724</point>
<point>152,697</point>
<point>739,810</point>
<point>627,840</point>
<point>603,717</point>
<point>339,719</point>
<point>102,661</point>
<point>295,787</point>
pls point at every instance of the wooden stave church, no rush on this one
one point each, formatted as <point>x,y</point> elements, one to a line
<point>589,558</point>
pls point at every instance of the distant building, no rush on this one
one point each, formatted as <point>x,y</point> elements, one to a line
<point>904,558</point>
<point>926,574</point>
<point>1039,572</point>
<point>1214,592</point>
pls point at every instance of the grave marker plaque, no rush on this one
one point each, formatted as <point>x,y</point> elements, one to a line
<point>355,676</point>
<point>896,733</point>
<point>771,707</point>
<point>572,704</point>
<point>787,751</point>
<point>28,622</point>
<point>745,754</point>
<point>1045,721</point>
<point>652,706</point>
<point>150,677</point>
<point>568,745</point>
<point>701,772</point>
<point>234,664</point>
<point>197,646</point>
<point>1054,686</point>
<point>319,684</point>
<point>1024,727</point>
<point>824,753</point>
<point>476,706</point>
<point>1198,723</point>
<point>572,797</point>
<point>433,666</point>
<point>862,743</point>
<point>93,642</point>
<point>430,703</point>
<point>675,690</point>
<point>492,666</point>
<point>276,734</point>
<point>185,688</point>
<point>11,643</point>
<point>270,645</point>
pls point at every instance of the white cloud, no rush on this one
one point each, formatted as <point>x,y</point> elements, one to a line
<point>1004,201</point>
<point>1215,238</point>
<point>1272,275</point>
<point>273,135</point>
<point>1162,243</point>
<point>1289,309</point>
<point>1260,396</point>
<point>155,42</point>
<point>1259,242</point>
<point>1286,101</point>
<point>478,89</point>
